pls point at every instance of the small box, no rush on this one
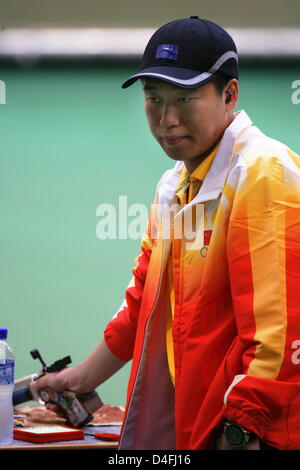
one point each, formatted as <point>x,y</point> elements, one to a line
<point>40,434</point>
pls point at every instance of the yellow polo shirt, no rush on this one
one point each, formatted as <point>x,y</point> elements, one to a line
<point>187,188</point>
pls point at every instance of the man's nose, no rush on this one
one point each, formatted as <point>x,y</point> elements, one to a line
<point>169,116</point>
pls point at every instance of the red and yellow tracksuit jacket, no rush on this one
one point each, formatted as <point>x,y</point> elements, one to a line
<point>211,316</point>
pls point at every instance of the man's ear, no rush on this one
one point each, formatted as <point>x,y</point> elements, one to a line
<point>231,93</point>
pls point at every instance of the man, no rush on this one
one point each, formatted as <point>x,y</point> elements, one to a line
<point>211,315</point>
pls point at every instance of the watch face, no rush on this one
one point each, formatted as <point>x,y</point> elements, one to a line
<point>234,435</point>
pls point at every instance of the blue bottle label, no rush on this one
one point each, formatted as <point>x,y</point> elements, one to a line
<point>7,372</point>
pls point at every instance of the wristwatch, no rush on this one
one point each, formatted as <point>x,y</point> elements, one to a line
<point>236,435</point>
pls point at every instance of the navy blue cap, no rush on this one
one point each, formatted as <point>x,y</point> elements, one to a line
<point>3,333</point>
<point>187,53</point>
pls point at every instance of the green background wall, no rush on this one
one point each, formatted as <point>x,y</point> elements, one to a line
<point>71,139</point>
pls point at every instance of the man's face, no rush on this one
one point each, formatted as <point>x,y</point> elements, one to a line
<point>186,123</point>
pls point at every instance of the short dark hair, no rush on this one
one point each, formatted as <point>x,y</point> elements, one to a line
<point>219,81</point>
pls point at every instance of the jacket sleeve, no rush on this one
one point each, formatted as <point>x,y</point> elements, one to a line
<point>263,251</point>
<point>120,332</point>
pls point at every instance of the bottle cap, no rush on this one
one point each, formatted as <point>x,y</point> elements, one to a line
<point>3,333</point>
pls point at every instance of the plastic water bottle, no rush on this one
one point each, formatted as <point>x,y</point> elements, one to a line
<point>7,364</point>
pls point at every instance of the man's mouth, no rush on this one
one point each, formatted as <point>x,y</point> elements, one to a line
<point>174,140</point>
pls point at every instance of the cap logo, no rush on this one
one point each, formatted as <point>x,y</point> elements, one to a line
<point>167,51</point>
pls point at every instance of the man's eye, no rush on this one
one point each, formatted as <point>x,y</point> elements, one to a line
<point>184,100</point>
<point>153,99</point>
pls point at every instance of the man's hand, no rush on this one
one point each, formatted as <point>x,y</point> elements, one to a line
<point>99,366</point>
<point>221,443</point>
<point>66,379</point>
